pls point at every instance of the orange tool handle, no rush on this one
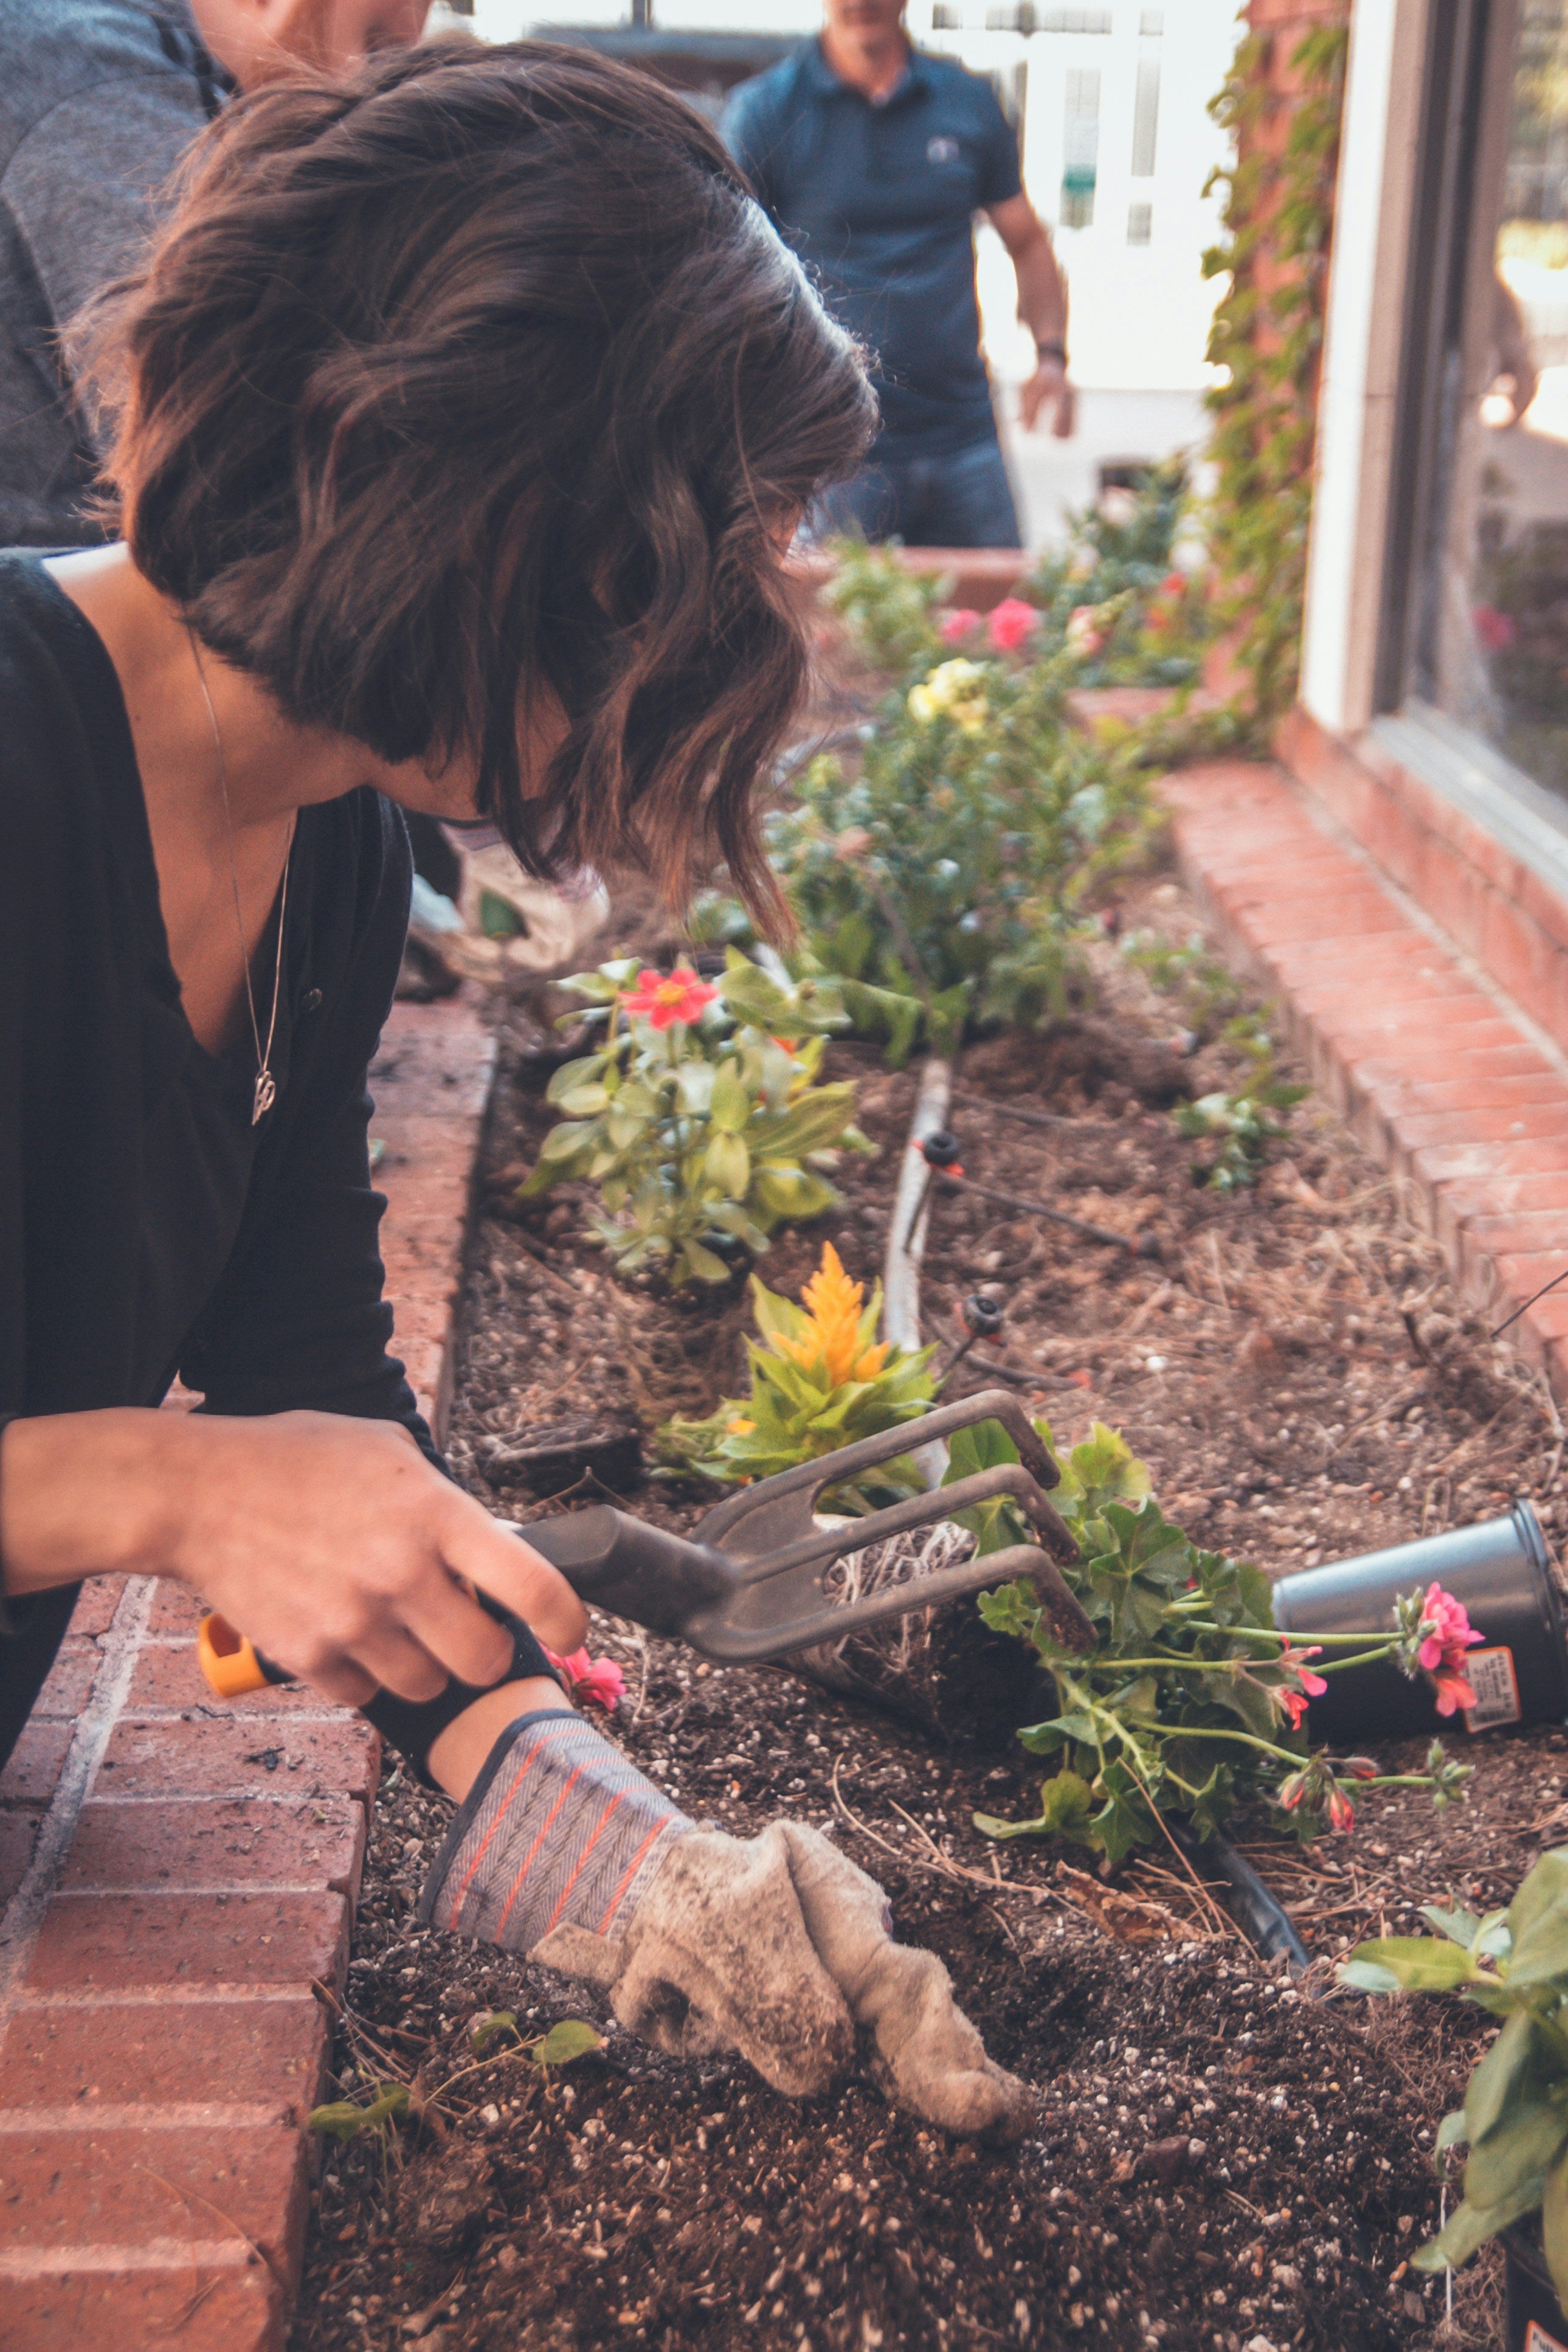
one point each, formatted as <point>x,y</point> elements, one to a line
<point>230,1663</point>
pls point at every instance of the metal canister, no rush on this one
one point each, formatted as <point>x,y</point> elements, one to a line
<point>1502,1572</point>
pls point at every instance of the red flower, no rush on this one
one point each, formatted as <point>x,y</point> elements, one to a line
<point>1293,1704</point>
<point>1453,1692</point>
<point>1174,585</point>
<point>594,1682</point>
<point>1010,624</point>
<point>1313,1684</point>
<point>683,997</point>
<point>958,626</point>
<point>1340,1811</point>
<point>1497,630</point>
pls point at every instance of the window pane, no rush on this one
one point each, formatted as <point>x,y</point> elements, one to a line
<point>1495,633</point>
<point>1146,117</point>
<point>1080,146</point>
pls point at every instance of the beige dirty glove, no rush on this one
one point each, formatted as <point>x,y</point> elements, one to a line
<point>778,1946</point>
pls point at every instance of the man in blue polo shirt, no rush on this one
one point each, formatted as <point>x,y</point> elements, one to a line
<point>872,158</point>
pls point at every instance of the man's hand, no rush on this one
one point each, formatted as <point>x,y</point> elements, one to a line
<point>331,1542</point>
<point>1049,386</point>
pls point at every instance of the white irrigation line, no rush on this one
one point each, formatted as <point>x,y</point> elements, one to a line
<point>906,1236</point>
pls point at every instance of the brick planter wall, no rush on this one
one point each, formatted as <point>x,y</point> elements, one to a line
<point>179,1876</point>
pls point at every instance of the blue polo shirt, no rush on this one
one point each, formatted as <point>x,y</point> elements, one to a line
<point>878,200</point>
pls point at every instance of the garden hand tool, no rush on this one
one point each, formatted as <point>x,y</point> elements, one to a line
<point>746,1584</point>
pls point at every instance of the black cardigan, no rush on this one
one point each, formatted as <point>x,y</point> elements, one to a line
<point>145,1229</point>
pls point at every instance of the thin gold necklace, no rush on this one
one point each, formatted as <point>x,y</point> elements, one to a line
<point>266,1093</point>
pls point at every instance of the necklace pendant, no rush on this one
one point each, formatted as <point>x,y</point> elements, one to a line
<point>265,1095</point>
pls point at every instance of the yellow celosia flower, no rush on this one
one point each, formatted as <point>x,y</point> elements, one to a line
<point>834,1304</point>
<point>955,690</point>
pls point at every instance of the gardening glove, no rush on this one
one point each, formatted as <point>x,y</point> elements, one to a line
<point>777,1947</point>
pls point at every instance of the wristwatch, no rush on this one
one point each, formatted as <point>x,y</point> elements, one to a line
<point>1054,350</point>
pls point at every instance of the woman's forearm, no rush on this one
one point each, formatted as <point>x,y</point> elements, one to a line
<point>332,1542</point>
<point>87,1494</point>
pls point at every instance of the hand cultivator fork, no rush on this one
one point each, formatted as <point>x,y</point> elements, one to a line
<point>747,1583</point>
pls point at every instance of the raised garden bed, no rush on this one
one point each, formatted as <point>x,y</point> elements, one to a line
<point>1222,2162</point>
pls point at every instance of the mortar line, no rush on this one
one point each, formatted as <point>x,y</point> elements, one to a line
<point>23,1914</point>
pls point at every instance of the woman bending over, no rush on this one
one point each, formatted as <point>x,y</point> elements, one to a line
<point>462,414</point>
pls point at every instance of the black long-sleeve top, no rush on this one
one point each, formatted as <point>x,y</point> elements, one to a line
<point>146,1227</point>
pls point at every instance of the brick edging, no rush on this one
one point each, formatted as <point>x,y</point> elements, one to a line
<point>180,1877</point>
<point>1439,1073</point>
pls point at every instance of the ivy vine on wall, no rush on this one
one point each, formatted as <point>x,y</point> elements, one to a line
<point>1277,215</point>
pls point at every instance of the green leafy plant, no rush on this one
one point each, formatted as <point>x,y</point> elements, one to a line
<point>1267,339</point>
<point>1116,598</point>
<point>820,1379</point>
<point>347,2119</point>
<point>1515,2116</point>
<point>1191,1701</point>
<point>699,1117</point>
<point>568,2038</point>
<point>889,612</point>
<point>945,878</point>
<point>388,2103</point>
<point>1240,1121</point>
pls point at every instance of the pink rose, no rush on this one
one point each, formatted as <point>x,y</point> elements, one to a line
<point>1011,622</point>
<point>958,626</point>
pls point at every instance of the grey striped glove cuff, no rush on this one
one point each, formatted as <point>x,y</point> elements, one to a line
<point>559,1830</point>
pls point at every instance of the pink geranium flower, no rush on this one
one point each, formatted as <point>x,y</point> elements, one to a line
<point>1340,1811</point>
<point>957,626</point>
<point>1451,1632</point>
<point>1011,622</point>
<point>593,1682</point>
<point>682,997</point>
<point>1292,1704</point>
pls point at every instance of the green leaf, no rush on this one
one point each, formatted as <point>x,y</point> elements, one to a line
<point>569,2038</point>
<point>345,2119</point>
<point>732,1103</point>
<point>1517,2151</point>
<point>1366,1976</point>
<point>1501,2076</point>
<point>1554,2225</point>
<point>1121,1823</point>
<point>1538,1922</point>
<point>1459,1927</point>
<point>582,1102</point>
<point>702,1263</point>
<point>487,2030</point>
<point>1419,1963</point>
<point>1471,2225</point>
<point>729,1164</point>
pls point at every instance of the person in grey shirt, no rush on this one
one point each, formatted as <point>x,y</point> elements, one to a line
<point>99,99</point>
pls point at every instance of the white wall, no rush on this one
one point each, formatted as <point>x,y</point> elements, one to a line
<point>1140,312</point>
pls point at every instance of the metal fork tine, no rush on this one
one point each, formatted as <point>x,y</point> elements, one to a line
<point>989,1405</point>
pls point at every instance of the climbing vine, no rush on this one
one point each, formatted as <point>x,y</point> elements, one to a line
<point>1268,331</point>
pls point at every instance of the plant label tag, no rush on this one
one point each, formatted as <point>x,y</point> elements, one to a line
<point>1489,1674</point>
<point>1536,2339</point>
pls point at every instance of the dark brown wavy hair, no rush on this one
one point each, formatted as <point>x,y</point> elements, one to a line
<point>478,378</point>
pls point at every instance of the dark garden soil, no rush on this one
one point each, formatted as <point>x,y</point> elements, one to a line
<point>1223,2160</point>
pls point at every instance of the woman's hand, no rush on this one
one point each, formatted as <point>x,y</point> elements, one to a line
<point>331,1542</point>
